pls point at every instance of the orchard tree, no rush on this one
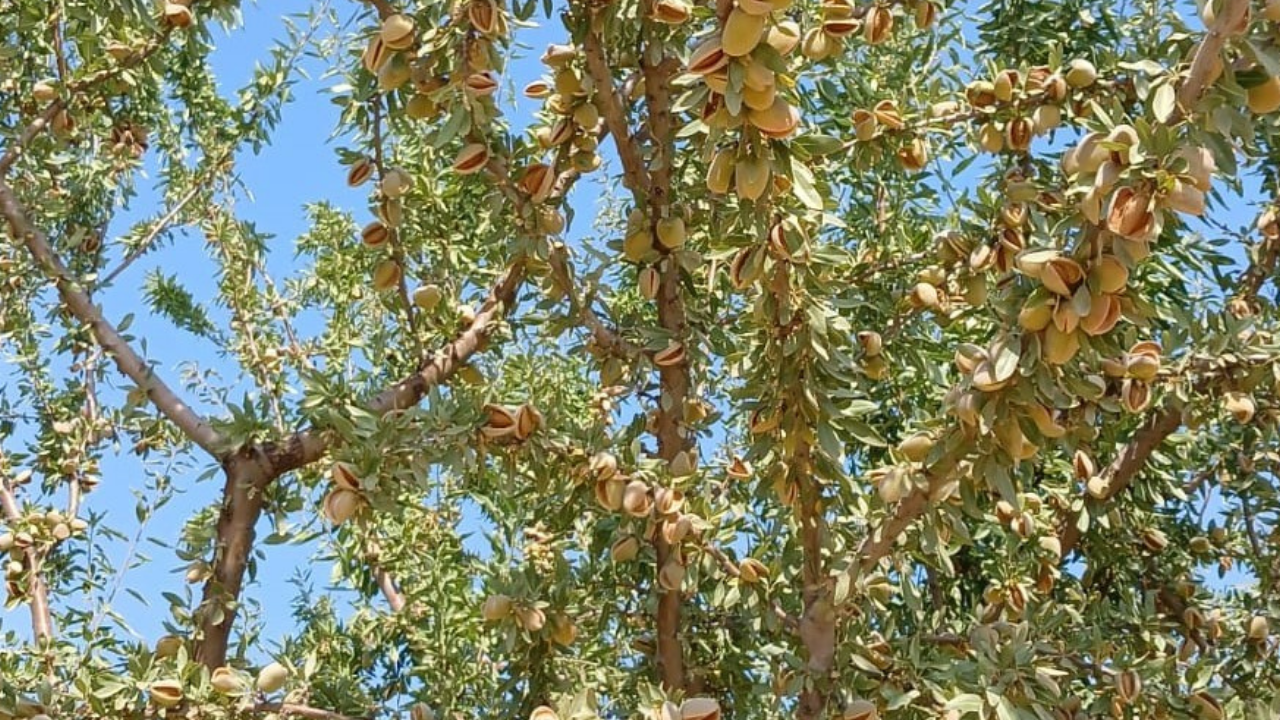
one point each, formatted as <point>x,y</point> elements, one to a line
<point>857,359</point>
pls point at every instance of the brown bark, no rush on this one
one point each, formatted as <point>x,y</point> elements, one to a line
<point>247,476</point>
<point>818,623</point>
<point>1131,458</point>
<point>674,383</point>
<point>81,306</point>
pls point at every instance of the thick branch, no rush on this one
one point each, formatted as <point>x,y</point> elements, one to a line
<point>615,115</point>
<point>126,359</point>
<point>247,475</point>
<point>1131,458</point>
<point>307,446</point>
<point>1209,54</point>
<point>818,624</point>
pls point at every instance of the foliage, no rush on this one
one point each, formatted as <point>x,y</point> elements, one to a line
<point>881,359</point>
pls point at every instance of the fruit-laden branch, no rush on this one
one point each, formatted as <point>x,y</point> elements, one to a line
<point>286,710</point>
<point>126,359</point>
<point>58,105</point>
<point>674,380</point>
<point>256,467</point>
<point>1131,458</point>
<point>41,618</point>
<point>650,184</point>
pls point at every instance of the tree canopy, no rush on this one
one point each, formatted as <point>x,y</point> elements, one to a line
<point>763,358</point>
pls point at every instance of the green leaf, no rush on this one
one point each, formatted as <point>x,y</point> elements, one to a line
<point>803,185</point>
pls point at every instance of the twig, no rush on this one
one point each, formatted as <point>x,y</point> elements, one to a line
<point>604,336</point>
<point>157,227</point>
<point>286,709</point>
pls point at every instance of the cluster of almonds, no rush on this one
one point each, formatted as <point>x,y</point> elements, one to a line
<point>1135,370</point>
<point>1070,300</point>
<point>396,57</point>
<point>169,692</point>
<point>884,117</point>
<point>346,499</point>
<point>1113,165</point>
<point>744,92</point>
<point>37,529</point>
<point>528,615</point>
<point>504,424</point>
<point>662,507</point>
<point>574,119</point>
<point>1015,108</point>
<point>395,183</point>
<point>646,242</point>
<point>841,19</point>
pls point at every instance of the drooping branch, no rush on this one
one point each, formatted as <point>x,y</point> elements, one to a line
<point>78,302</point>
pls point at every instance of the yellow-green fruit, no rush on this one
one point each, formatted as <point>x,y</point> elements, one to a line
<point>990,138</point>
<point>720,172</point>
<point>637,245</point>
<point>421,107</point>
<point>916,447</point>
<point>671,232</point>
<point>1265,98</point>
<point>427,297</point>
<point>742,32</point>
<point>393,74</point>
<point>272,677</point>
<point>751,178</point>
<point>1081,73</point>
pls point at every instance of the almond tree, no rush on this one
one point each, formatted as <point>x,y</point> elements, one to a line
<point>845,359</point>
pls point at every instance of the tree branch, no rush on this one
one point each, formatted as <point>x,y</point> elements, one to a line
<point>41,617</point>
<point>1131,458</point>
<point>604,336</point>
<point>286,710</point>
<point>614,113</point>
<point>38,125</point>
<point>307,446</point>
<point>194,427</point>
<point>1208,55</point>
